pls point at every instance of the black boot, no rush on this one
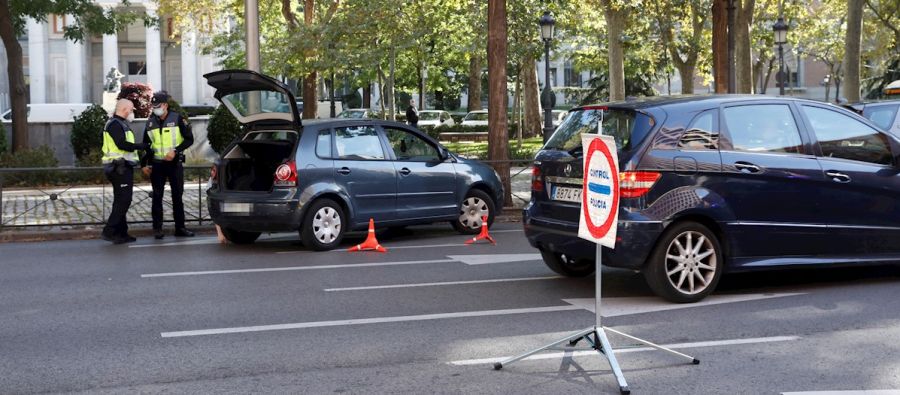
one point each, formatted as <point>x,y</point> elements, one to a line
<point>183,232</point>
<point>158,234</point>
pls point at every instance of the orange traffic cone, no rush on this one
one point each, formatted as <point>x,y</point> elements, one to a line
<point>484,235</point>
<point>371,243</point>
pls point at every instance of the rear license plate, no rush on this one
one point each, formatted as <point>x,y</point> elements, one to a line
<point>567,194</point>
<point>237,208</point>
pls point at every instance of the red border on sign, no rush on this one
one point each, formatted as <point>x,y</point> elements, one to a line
<point>598,232</point>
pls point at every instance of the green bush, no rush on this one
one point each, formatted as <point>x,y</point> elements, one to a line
<point>35,157</point>
<point>4,146</point>
<point>87,132</point>
<point>223,129</point>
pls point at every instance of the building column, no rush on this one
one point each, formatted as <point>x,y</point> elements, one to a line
<point>74,68</point>
<point>154,52</point>
<point>110,53</point>
<point>189,67</point>
<point>37,60</point>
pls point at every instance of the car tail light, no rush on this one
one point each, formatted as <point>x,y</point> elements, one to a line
<point>286,175</point>
<point>536,184</point>
<point>214,173</point>
<point>634,184</point>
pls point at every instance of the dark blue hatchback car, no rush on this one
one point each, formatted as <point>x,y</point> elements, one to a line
<point>711,184</point>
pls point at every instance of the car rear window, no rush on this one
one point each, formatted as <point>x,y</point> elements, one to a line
<point>883,116</point>
<point>627,127</point>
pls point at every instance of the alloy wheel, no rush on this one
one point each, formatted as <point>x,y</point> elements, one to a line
<point>690,262</point>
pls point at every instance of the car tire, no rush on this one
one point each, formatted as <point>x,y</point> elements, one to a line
<point>239,237</point>
<point>324,226</point>
<point>476,204</point>
<point>566,266</point>
<point>686,263</point>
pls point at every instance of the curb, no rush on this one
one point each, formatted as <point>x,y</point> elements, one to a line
<point>508,215</point>
<point>90,233</point>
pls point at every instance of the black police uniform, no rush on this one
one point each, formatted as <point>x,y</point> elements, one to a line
<point>171,171</point>
<point>121,174</point>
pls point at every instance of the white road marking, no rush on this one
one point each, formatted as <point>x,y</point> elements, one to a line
<point>570,307</point>
<point>197,241</point>
<point>647,304</point>
<point>851,392</point>
<point>499,280</point>
<point>558,355</point>
<point>202,241</point>
<point>467,259</point>
<point>494,258</point>
<point>362,321</point>
<point>291,268</point>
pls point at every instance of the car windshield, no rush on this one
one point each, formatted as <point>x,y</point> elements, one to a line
<point>429,115</point>
<point>249,103</point>
<point>476,116</point>
<point>625,126</point>
<point>352,114</point>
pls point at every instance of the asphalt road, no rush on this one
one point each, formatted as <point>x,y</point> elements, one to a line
<point>192,316</point>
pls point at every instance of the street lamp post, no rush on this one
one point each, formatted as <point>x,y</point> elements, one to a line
<point>547,23</point>
<point>780,28</point>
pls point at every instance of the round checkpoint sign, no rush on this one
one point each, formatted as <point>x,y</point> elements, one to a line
<point>600,197</point>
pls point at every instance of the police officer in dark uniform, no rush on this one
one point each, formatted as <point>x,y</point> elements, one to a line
<point>119,159</point>
<point>168,134</point>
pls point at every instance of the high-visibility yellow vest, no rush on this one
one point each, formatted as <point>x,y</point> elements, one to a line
<point>111,151</point>
<point>165,135</point>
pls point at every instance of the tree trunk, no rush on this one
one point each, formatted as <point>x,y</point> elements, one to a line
<point>615,22</point>
<point>765,85</point>
<point>742,59</point>
<point>852,49</point>
<point>687,78</point>
<point>381,91</point>
<point>517,106</point>
<point>310,81</point>
<point>16,78</point>
<point>392,108</point>
<point>721,66</point>
<point>532,99</point>
<point>474,83</point>
<point>498,134</point>
<point>367,96</point>
<point>422,86</point>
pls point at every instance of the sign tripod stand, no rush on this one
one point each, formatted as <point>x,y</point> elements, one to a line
<point>598,224</point>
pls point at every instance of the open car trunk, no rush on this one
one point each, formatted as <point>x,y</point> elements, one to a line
<point>251,163</point>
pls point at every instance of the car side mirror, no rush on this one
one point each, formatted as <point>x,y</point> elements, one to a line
<point>444,154</point>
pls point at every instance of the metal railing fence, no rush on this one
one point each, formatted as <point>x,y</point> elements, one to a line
<point>81,196</point>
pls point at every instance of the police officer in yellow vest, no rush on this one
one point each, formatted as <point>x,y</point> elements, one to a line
<point>169,135</point>
<point>119,159</point>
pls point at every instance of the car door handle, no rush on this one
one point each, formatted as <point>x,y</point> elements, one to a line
<point>745,167</point>
<point>404,171</point>
<point>344,171</point>
<point>837,176</point>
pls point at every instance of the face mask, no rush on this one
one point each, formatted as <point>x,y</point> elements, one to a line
<point>130,117</point>
<point>158,111</point>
